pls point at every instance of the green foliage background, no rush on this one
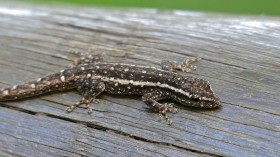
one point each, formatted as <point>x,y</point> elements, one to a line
<point>266,7</point>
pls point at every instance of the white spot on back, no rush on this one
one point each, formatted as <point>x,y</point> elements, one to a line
<point>160,74</point>
<point>62,71</point>
<point>39,79</point>
<point>112,68</point>
<point>14,87</point>
<point>47,82</point>
<point>88,75</point>
<point>62,78</point>
<point>125,70</point>
<point>97,67</point>
<point>5,92</point>
<point>32,86</point>
<point>144,71</point>
<point>82,68</point>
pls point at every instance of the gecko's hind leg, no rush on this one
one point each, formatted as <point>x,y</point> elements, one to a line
<point>185,66</point>
<point>87,57</point>
<point>89,89</point>
<point>151,100</point>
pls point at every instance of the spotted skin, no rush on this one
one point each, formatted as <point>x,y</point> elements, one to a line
<point>91,76</point>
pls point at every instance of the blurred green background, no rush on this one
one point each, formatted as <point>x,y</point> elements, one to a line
<point>259,7</point>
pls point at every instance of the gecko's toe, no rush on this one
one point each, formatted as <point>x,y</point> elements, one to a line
<point>169,107</point>
<point>168,120</point>
<point>70,108</point>
<point>87,102</point>
<point>96,101</point>
<point>89,108</point>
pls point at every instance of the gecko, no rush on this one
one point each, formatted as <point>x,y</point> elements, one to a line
<point>91,76</point>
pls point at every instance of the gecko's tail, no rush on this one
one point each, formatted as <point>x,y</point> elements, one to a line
<point>47,84</point>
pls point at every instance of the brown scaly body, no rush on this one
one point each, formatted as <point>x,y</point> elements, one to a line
<point>91,77</point>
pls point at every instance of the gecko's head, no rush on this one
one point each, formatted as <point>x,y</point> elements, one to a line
<point>198,93</point>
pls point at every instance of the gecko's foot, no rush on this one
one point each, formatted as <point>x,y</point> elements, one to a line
<point>75,51</point>
<point>169,107</point>
<point>83,101</point>
<point>87,58</point>
<point>168,120</point>
<point>165,108</point>
<point>185,66</point>
<point>96,101</point>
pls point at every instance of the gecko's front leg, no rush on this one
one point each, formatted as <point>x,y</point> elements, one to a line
<point>151,100</point>
<point>87,58</point>
<point>89,89</point>
<point>90,58</point>
<point>185,66</point>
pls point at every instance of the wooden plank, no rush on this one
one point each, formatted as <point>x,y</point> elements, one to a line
<point>25,134</point>
<point>240,58</point>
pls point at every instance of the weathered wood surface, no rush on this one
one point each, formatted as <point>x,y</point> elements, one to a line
<point>241,59</point>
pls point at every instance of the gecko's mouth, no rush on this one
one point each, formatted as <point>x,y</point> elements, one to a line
<point>213,102</point>
<point>209,104</point>
<point>202,103</point>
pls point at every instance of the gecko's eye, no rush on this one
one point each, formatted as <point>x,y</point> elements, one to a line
<point>196,99</point>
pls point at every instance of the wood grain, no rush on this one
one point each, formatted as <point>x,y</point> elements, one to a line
<point>240,57</point>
